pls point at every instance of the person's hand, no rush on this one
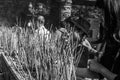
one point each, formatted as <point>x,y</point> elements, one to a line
<point>87,44</point>
<point>95,66</point>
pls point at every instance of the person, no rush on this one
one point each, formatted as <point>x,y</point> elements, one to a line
<point>109,65</point>
<point>41,34</point>
<point>41,28</point>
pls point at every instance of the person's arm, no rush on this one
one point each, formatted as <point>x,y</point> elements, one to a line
<point>86,73</point>
<point>96,67</point>
<point>108,74</point>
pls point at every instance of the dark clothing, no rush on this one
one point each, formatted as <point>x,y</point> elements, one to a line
<point>110,59</point>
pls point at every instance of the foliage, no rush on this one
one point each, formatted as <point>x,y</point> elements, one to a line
<point>87,12</point>
<point>50,59</point>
